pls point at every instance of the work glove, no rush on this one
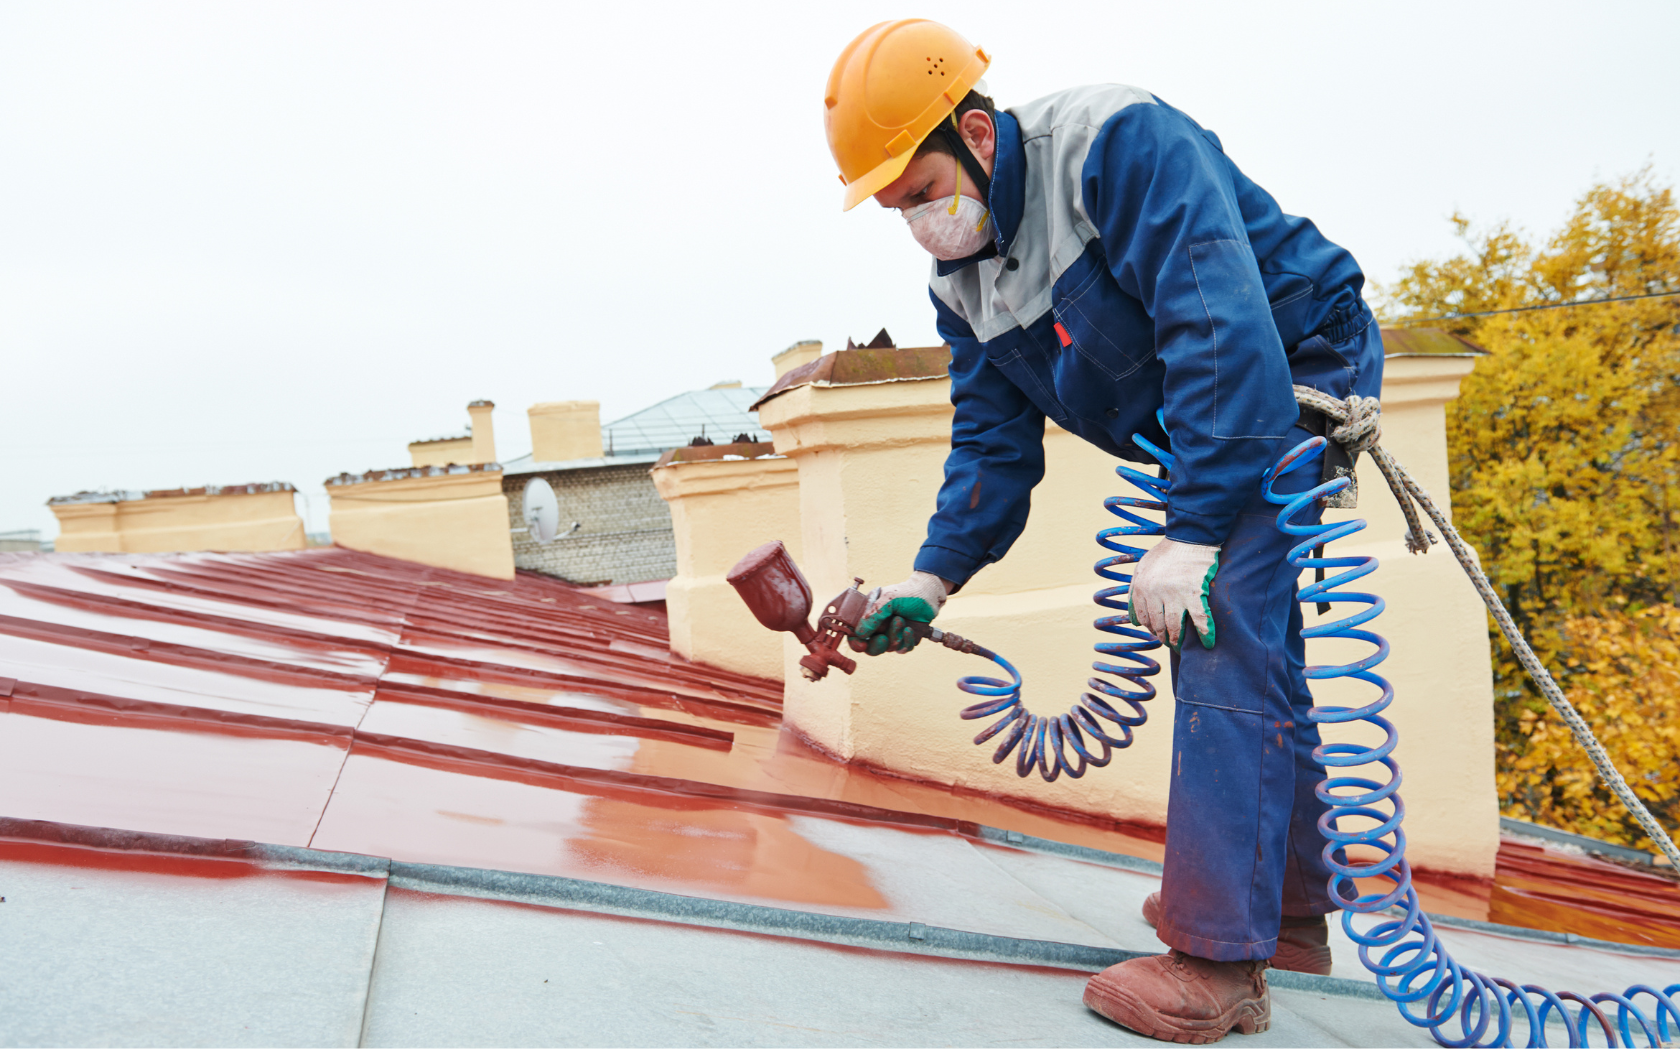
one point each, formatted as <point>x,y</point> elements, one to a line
<point>1171,584</point>
<point>883,626</point>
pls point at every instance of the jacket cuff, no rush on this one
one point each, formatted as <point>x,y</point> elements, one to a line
<point>1188,527</point>
<point>947,564</point>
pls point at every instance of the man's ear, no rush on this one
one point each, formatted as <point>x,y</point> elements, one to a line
<point>980,134</point>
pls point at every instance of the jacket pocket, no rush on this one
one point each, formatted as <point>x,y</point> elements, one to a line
<point>1018,369</point>
<point>1290,298</point>
<point>1097,317</point>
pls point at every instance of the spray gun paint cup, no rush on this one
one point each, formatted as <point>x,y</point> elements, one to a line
<point>775,590</point>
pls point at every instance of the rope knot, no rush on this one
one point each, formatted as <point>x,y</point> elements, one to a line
<point>1363,427</point>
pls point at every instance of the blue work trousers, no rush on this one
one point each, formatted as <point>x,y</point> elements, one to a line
<point>1243,845</point>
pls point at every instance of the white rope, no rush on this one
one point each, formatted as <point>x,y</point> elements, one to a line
<point>1360,430</point>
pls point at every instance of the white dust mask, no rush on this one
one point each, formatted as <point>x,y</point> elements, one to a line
<point>953,229</point>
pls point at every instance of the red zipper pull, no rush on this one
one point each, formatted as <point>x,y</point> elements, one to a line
<point>1062,334</point>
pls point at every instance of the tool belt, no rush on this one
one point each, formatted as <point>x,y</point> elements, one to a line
<point>1338,462</point>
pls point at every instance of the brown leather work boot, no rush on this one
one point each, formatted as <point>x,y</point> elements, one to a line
<point>1303,944</point>
<point>1182,999</point>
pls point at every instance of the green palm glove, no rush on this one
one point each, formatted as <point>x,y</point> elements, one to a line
<point>886,625</point>
<point>1169,592</point>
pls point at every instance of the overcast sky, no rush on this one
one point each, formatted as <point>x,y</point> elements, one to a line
<point>274,241</point>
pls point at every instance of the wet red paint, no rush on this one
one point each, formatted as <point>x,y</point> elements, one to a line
<point>561,716</point>
<point>151,649</point>
<point>92,858</point>
<point>356,703</point>
<point>445,813</point>
<point>1551,890</point>
<point>99,709</point>
<point>70,856</point>
<point>168,775</point>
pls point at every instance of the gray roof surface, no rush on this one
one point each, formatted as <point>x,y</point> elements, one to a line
<point>308,947</point>
<point>517,976</point>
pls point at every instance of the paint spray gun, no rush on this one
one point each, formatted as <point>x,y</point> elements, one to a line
<point>775,590</point>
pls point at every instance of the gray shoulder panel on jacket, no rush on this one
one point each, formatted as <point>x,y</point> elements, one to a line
<point>1056,135</point>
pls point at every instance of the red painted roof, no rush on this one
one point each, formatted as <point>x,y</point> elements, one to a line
<point>1547,889</point>
<point>350,702</point>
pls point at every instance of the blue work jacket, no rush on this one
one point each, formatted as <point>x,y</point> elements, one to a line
<point>1134,268</point>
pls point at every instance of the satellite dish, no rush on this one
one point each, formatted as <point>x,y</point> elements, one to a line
<point>542,511</point>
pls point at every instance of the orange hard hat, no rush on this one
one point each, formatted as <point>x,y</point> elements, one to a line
<point>889,89</point>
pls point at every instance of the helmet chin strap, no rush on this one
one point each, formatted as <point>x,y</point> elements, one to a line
<point>965,156</point>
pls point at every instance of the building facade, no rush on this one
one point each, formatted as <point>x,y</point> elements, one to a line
<point>614,527</point>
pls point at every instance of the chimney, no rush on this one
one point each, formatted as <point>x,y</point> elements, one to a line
<point>564,430</point>
<point>483,431</point>
<point>801,353</point>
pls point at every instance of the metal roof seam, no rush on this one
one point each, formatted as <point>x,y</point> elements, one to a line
<point>1591,845</point>
<point>351,613</point>
<point>180,655</point>
<point>498,765</point>
<point>403,661</point>
<point>269,855</point>
<point>576,719</point>
<point>111,605</point>
<point>77,705</point>
<point>72,705</point>
<point>1527,934</point>
<point>1033,844</point>
<point>555,891</point>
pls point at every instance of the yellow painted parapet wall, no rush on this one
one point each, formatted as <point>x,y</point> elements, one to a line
<point>720,508</point>
<point>870,452</point>
<point>441,452</point>
<point>451,517</point>
<point>260,517</point>
<point>477,445</point>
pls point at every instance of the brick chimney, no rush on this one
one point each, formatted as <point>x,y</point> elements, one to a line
<point>483,431</point>
<point>565,430</point>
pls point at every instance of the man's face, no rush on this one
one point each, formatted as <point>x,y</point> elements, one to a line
<point>931,176</point>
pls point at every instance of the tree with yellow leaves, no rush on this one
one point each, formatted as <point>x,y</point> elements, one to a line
<point>1565,459</point>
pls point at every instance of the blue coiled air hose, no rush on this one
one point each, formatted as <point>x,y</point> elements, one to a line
<point>1042,743</point>
<point>1414,967</point>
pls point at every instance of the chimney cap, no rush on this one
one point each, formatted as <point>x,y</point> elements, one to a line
<point>131,496</point>
<point>481,403</point>
<point>882,341</point>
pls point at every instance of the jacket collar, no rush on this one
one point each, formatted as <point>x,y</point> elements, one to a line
<point>1007,199</point>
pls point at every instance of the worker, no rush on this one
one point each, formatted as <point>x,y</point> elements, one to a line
<point>1099,261</point>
